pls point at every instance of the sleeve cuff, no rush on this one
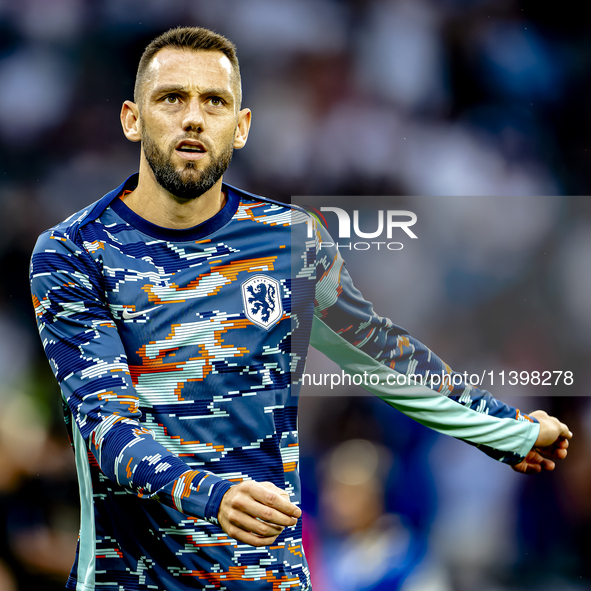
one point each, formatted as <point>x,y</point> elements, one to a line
<point>215,499</point>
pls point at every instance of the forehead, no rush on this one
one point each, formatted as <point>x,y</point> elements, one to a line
<point>191,69</point>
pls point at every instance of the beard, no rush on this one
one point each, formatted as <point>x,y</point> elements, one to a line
<point>188,182</point>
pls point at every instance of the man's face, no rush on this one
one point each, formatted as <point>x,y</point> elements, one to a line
<point>189,119</point>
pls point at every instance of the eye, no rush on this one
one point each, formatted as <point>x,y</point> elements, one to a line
<point>216,101</point>
<point>171,99</point>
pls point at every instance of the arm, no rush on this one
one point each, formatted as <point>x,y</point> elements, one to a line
<point>87,356</point>
<point>89,361</point>
<point>405,373</point>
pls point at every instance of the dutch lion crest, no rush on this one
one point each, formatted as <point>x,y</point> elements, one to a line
<point>262,300</point>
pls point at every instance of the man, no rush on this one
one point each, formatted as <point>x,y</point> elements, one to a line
<point>176,313</point>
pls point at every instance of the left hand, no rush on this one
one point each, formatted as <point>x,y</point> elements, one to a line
<point>551,444</point>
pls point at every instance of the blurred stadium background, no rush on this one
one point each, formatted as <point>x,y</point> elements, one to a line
<point>479,106</point>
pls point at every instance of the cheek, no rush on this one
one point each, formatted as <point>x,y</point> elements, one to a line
<point>160,133</point>
<point>230,137</point>
<point>223,129</point>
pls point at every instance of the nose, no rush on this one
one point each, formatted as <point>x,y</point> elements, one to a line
<point>193,116</point>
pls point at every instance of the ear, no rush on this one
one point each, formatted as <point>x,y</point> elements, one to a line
<point>130,121</point>
<point>242,128</point>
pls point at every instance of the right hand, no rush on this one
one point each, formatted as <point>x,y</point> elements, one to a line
<point>256,512</point>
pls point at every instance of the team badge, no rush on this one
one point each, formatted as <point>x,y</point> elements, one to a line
<point>262,300</point>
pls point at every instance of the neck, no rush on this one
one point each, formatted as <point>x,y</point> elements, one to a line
<point>156,205</point>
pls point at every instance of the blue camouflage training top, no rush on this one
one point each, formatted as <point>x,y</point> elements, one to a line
<point>180,354</point>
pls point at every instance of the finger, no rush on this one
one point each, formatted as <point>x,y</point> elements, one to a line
<point>276,489</point>
<point>559,454</point>
<point>531,464</point>
<point>249,538</point>
<point>264,512</point>
<point>564,431</point>
<point>548,465</point>
<point>526,468</point>
<point>536,457</point>
<point>255,526</point>
<point>533,469</point>
<point>273,487</point>
<point>552,452</point>
<point>274,499</point>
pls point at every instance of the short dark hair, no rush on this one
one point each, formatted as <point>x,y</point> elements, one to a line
<point>192,38</point>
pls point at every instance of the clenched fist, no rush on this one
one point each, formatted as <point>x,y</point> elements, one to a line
<point>256,512</point>
<point>551,444</point>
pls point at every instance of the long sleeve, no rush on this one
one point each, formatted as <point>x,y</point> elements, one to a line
<point>88,358</point>
<point>404,372</point>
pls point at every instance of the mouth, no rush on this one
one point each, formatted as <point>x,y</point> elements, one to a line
<point>190,150</point>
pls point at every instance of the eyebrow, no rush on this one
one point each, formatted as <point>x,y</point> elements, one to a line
<point>166,88</point>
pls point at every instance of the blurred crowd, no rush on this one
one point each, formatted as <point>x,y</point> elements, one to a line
<point>470,113</point>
